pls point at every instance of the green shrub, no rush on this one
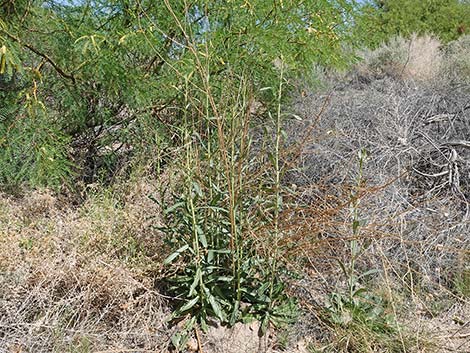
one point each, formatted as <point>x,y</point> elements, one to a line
<point>112,71</point>
<point>32,150</point>
<point>377,20</point>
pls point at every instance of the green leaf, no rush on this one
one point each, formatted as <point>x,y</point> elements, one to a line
<point>214,208</point>
<point>216,251</point>
<point>355,226</point>
<point>235,313</point>
<point>174,255</point>
<point>343,268</point>
<point>188,305</point>
<point>264,324</point>
<point>204,326</point>
<point>368,273</point>
<point>192,289</point>
<point>262,289</point>
<point>215,306</point>
<point>201,236</point>
<point>174,207</point>
<point>359,291</point>
<point>265,89</point>
<point>197,189</point>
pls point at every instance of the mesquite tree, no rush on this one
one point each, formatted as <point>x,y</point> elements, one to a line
<point>85,85</point>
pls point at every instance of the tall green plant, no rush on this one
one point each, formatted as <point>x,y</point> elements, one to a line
<point>223,218</point>
<point>227,211</point>
<point>227,58</point>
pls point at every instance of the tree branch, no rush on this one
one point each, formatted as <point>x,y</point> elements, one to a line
<point>458,143</point>
<point>42,55</point>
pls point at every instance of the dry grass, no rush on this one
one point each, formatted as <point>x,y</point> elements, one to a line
<point>417,58</point>
<point>72,279</point>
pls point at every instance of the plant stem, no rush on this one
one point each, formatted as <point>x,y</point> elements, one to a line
<point>277,186</point>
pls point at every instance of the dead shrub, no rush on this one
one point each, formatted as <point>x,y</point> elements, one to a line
<point>418,166</point>
<point>457,60</point>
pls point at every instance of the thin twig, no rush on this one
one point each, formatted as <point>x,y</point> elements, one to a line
<point>198,339</point>
<point>42,55</point>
